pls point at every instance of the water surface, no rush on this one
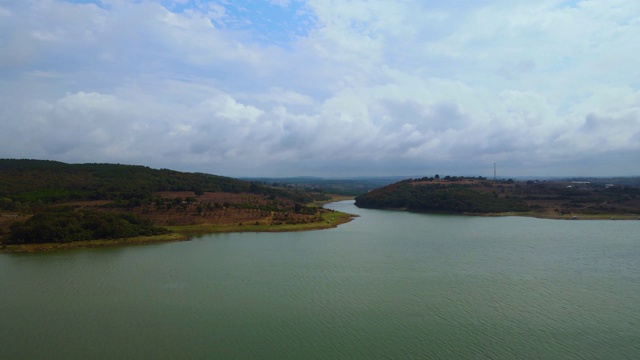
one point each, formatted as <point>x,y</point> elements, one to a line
<point>387,285</point>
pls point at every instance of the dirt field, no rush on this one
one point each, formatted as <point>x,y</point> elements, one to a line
<point>223,209</point>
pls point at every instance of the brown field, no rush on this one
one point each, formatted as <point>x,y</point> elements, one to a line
<point>223,209</point>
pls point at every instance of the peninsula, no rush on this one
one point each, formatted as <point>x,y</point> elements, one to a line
<point>553,199</point>
<point>48,205</point>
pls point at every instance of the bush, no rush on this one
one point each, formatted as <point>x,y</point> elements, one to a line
<point>59,225</point>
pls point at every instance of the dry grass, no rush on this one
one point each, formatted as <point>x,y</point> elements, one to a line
<point>140,240</point>
<point>329,220</point>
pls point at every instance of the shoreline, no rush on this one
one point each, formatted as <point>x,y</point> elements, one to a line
<point>555,216</point>
<point>182,233</point>
<point>531,214</point>
<point>331,219</point>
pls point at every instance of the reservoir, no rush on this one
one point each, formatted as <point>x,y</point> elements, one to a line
<point>388,285</point>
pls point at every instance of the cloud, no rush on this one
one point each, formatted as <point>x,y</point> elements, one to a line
<point>324,87</point>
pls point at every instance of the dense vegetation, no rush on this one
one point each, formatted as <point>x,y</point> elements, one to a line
<point>346,187</point>
<point>41,182</point>
<point>48,201</point>
<point>64,224</point>
<point>566,198</point>
<point>438,197</point>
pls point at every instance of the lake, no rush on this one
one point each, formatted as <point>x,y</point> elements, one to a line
<point>386,285</point>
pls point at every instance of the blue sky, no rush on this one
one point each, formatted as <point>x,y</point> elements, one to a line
<point>325,87</point>
<point>269,22</point>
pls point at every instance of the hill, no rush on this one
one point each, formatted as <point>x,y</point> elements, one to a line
<point>551,199</point>
<point>50,201</point>
<point>342,186</point>
<point>29,181</point>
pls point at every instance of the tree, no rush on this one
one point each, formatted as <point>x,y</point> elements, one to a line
<point>6,204</point>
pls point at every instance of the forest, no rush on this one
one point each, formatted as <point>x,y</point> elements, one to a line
<point>565,198</point>
<point>438,197</point>
<point>33,182</point>
<point>62,224</point>
<point>44,201</point>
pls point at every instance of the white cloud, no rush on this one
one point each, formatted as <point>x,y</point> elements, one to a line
<point>277,95</point>
<point>373,87</point>
<point>283,3</point>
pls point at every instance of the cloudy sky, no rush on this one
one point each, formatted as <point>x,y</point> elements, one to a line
<point>325,87</point>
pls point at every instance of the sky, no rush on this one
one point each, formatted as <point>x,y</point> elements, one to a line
<point>331,88</point>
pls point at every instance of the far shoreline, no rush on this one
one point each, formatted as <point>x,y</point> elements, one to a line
<point>555,216</point>
<point>330,220</point>
<point>530,214</point>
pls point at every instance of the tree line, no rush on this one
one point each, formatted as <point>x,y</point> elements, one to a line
<point>64,224</point>
<point>42,182</point>
<point>437,198</point>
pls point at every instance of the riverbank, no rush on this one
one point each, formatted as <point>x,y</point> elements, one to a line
<point>330,219</point>
<point>549,215</point>
<point>140,240</point>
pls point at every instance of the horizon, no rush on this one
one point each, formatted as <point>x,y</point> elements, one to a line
<point>282,88</point>
<point>354,177</point>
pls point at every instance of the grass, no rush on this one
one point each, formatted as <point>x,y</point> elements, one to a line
<point>139,240</point>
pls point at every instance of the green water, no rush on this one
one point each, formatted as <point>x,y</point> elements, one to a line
<point>389,285</point>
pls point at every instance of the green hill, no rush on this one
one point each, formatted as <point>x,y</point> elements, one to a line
<point>456,196</point>
<point>558,199</point>
<point>48,182</point>
<point>53,202</point>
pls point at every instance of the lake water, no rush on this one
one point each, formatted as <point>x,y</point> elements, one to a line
<point>387,285</point>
